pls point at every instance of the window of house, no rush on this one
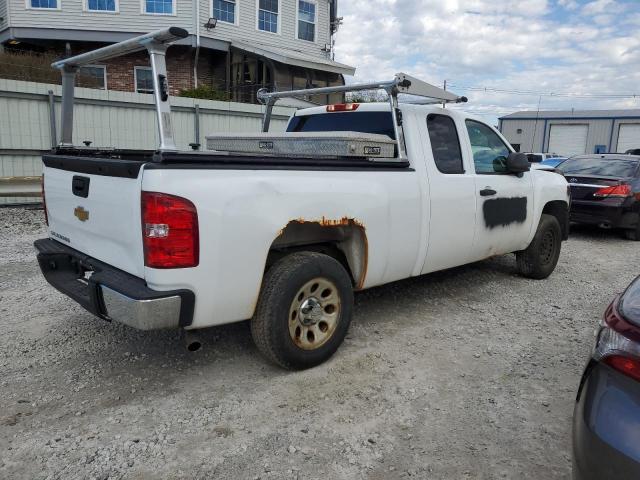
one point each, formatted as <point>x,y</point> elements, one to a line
<point>44,3</point>
<point>489,151</point>
<point>159,7</point>
<point>268,15</point>
<point>306,20</point>
<point>93,76</point>
<point>225,10</point>
<point>144,79</point>
<point>445,143</point>
<point>101,5</point>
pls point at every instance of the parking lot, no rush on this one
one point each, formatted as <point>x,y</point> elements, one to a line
<point>467,373</point>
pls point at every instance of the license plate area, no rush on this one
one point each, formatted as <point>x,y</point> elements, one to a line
<point>72,277</point>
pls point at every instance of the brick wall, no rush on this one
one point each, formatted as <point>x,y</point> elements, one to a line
<point>180,61</point>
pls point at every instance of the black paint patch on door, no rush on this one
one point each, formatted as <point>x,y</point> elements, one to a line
<point>501,212</point>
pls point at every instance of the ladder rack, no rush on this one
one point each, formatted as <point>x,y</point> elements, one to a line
<point>401,83</point>
<point>156,43</point>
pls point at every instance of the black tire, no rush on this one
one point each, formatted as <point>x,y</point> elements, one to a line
<point>274,321</point>
<point>633,234</point>
<point>540,258</point>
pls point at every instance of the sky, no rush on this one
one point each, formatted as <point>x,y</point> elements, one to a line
<point>582,50</point>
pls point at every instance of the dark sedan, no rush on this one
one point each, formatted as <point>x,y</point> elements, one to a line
<point>605,191</point>
<point>606,419</point>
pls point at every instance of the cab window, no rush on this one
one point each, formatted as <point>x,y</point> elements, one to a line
<point>445,144</point>
<point>489,151</point>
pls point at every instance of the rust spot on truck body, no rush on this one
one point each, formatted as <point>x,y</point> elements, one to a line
<point>329,222</point>
<point>341,222</point>
<point>365,262</point>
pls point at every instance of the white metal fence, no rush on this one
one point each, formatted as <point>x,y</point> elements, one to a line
<point>30,122</point>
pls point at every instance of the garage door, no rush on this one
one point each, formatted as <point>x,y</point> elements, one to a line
<point>568,140</point>
<point>628,137</point>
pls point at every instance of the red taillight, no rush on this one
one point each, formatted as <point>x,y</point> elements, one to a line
<point>343,107</point>
<point>44,201</point>
<point>169,231</point>
<point>623,190</point>
<point>618,343</point>
<point>627,365</point>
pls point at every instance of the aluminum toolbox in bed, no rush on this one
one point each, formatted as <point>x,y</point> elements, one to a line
<point>294,144</point>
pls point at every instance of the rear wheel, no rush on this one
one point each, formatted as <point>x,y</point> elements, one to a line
<point>304,310</point>
<point>540,258</point>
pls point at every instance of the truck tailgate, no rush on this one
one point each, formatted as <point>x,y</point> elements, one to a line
<point>93,206</point>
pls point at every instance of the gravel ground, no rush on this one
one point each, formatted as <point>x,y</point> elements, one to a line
<point>468,373</point>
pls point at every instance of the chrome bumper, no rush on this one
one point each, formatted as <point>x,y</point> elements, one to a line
<point>158,313</point>
<point>112,294</point>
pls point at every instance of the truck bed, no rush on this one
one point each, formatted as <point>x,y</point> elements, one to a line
<point>127,163</point>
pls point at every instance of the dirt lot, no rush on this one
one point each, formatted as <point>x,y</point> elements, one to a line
<point>468,373</point>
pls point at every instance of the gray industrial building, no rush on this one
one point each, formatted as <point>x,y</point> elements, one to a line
<point>572,132</point>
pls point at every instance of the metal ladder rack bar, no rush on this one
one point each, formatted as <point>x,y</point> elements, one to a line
<point>401,83</point>
<point>156,43</point>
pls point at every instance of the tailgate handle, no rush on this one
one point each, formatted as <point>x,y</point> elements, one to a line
<point>80,186</point>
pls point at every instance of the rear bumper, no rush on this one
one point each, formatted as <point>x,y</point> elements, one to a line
<point>608,215</point>
<point>112,294</point>
<point>606,426</point>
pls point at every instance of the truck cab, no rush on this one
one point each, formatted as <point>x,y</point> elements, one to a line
<point>473,207</point>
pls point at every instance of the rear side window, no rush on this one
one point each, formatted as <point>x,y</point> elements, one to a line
<point>605,167</point>
<point>363,122</point>
<point>445,143</point>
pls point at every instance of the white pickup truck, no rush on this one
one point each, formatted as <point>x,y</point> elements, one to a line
<point>174,239</point>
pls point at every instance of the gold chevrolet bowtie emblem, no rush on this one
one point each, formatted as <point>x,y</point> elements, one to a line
<point>81,213</point>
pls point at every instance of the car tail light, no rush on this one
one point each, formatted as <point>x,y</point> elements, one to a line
<point>618,342</point>
<point>628,365</point>
<point>44,200</point>
<point>343,107</point>
<point>623,190</point>
<point>169,231</point>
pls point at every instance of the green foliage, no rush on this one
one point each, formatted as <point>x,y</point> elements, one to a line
<point>28,66</point>
<point>36,67</point>
<point>366,96</point>
<point>206,92</point>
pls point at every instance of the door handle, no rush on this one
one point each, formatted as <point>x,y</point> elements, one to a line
<point>487,192</point>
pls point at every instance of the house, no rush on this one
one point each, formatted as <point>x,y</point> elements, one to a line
<point>573,132</point>
<point>234,46</point>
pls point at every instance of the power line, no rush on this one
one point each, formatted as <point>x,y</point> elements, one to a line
<point>544,94</point>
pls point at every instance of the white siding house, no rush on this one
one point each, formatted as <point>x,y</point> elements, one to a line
<point>280,44</point>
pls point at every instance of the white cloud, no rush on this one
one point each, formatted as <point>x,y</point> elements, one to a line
<point>599,6</point>
<point>569,4</point>
<point>512,45</point>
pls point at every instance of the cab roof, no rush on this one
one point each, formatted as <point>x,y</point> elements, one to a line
<point>385,107</point>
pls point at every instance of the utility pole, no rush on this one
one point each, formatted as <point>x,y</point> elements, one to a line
<point>444,104</point>
<point>535,127</point>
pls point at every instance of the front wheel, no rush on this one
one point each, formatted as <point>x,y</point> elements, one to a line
<point>540,258</point>
<point>304,310</point>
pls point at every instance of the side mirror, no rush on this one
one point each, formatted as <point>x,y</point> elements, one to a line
<point>518,163</point>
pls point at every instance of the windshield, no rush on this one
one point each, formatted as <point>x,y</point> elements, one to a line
<point>604,167</point>
<point>364,122</point>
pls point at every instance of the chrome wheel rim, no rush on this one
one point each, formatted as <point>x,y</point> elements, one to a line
<point>314,313</point>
